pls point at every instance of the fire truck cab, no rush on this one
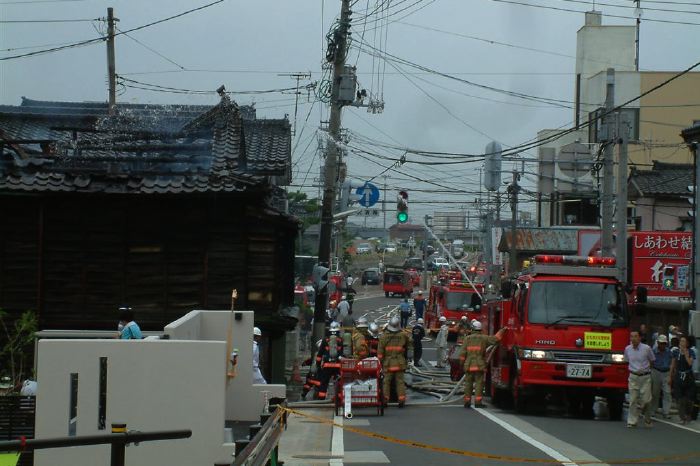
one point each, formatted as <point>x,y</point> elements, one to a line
<point>568,327</point>
<point>451,297</point>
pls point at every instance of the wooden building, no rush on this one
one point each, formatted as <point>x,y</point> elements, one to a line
<point>164,208</point>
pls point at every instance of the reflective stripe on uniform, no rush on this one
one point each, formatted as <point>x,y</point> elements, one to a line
<point>394,348</point>
<point>474,348</point>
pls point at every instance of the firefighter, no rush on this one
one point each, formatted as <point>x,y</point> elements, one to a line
<point>373,340</point>
<point>312,378</point>
<point>441,342</point>
<point>473,356</point>
<point>360,339</point>
<point>417,333</point>
<point>328,358</point>
<point>463,329</point>
<point>394,346</point>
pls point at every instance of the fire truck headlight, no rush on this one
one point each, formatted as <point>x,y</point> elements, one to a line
<point>617,358</point>
<point>539,354</point>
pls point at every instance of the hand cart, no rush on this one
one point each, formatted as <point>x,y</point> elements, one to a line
<point>359,385</point>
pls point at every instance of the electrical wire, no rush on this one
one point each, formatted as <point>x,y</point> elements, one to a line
<point>169,60</point>
<point>102,39</point>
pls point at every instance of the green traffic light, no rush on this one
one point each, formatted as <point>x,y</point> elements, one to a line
<point>668,283</point>
<point>402,217</point>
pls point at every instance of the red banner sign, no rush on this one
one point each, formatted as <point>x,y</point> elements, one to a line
<point>660,261</point>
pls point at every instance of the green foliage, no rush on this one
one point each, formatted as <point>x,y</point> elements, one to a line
<point>308,210</point>
<point>16,353</point>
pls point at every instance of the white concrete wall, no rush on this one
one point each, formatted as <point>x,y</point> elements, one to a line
<point>244,400</point>
<point>151,385</point>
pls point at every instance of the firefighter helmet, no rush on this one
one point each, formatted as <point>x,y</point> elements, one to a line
<point>257,332</point>
<point>443,319</point>
<point>420,322</point>
<point>362,322</point>
<point>476,325</point>
<point>374,329</point>
<point>394,324</point>
<point>335,327</point>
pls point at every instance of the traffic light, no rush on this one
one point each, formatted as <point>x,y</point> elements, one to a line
<point>669,280</point>
<point>691,200</point>
<point>402,207</point>
<point>320,278</point>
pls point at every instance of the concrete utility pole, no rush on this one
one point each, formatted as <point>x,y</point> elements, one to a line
<point>622,136</point>
<point>692,138</point>
<point>332,154</point>
<point>513,190</point>
<point>608,127</point>
<point>111,67</point>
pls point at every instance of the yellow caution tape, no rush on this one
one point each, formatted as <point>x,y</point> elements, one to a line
<point>489,456</point>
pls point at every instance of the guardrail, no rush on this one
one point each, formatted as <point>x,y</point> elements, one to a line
<point>119,438</point>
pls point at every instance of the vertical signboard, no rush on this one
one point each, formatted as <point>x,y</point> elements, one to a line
<point>659,255</point>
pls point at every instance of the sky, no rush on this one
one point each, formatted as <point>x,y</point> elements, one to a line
<point>256,45</point>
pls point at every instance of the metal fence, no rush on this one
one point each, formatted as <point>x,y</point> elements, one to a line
<point>17,418</point>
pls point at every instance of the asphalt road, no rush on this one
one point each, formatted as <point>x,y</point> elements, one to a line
<point>473,433</point>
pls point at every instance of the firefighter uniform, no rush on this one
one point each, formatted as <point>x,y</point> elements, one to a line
<point>394,344</point>
<point>473,356</point>
<point>360,343</point>
<point>328,359</point>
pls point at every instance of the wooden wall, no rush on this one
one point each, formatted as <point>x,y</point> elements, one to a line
<point>77,258</point>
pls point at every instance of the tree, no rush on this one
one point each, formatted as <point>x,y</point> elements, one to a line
<point>308,211</point>
<point>16,353</point>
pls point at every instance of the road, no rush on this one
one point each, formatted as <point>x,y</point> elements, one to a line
<point>428,433</point>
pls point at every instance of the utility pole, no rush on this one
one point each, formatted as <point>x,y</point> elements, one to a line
<point>513,190</point>
<point>337,57</point>
<point>638,14</point>
<point>622,137</point>
<point>384,207</point>
<point>691,136</point>
<point>608,148</point>
<point>111,67</point>
<point>298,77</point>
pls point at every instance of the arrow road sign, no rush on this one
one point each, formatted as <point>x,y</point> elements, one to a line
<point>369,195</point>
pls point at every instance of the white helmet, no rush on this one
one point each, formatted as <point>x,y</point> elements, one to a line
<point>476,325</point>
<point>443,319</point>
<point>472,322</point>
<point>394,324</point>
<point>464,318</point>
<point>362,322</point>
<point>374,329</point>
<point>420,321</point>
<point>257,332</point>
<point>335,327</point>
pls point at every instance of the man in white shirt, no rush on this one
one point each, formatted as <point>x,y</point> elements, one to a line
<point>640,357</point>
<point>257,375</point>
<point>343,308</point>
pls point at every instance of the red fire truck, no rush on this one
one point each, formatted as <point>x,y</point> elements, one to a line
<point>568,326</point>
<point>451,297</point>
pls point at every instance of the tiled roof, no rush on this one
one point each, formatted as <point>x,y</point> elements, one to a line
<point>143,149</point>
<point>664,179</point>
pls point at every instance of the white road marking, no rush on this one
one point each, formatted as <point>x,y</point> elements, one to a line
<point>337,445</point>
<point>675,424</point>
<point>526,438</point>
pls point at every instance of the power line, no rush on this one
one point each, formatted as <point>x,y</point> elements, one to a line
<point>153,50</point>
<point>102,39</point>
<point>31,2</point>
<point>30,21</point>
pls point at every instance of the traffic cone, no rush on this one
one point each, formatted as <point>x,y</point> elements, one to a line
<point>296,376</point>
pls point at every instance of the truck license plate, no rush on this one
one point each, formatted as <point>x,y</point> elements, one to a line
<point>579,371</point>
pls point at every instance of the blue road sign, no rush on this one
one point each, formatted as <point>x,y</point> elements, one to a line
<point>369,195</point>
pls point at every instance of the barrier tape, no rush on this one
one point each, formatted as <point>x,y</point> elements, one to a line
<point>489,456</point>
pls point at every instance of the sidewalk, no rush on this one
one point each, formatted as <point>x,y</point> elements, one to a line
<point>307,442</point>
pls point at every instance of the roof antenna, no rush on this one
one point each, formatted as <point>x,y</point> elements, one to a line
<point>221,90</point>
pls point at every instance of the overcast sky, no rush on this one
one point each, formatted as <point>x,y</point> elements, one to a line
<point>246,45</point>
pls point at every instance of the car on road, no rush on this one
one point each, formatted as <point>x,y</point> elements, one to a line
<point>437,263</point>
<point>390,247</point>
<point>413,263</point>
<point>363,248</point>
<point>371,277</point>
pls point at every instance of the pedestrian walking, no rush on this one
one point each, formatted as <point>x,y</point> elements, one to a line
<point>419,305</point>
<point>405,311</point>
<point>343,308</point>
<point>639,357</point>
<point>394,346</point>
<point>682,378</point>
<point>418,333</point>
<point>441,342</point>
<point>128,328</point>
<point>257,375</point>
<point>661,377</point>
<point>473,355</point>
